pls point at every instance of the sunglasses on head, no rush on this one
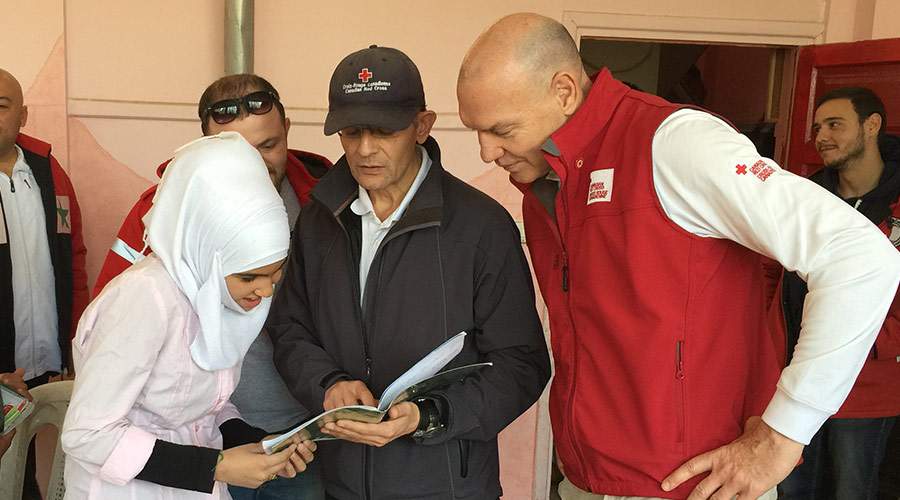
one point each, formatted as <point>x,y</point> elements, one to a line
<point>254,103</point>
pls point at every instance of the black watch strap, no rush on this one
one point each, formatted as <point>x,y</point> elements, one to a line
<point>429,418</point>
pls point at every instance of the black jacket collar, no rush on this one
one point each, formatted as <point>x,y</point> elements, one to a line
<point>338,189</point>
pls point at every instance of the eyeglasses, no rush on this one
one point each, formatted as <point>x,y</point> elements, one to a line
<point>255,103</point>
<point>357,132</point>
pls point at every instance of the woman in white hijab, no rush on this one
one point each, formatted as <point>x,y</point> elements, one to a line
<point>159,351</point>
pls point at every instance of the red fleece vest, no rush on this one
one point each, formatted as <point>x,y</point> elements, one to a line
<point>659,336</point>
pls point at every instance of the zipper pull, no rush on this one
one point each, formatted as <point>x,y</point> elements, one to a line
<point>565,273</point>
<point>12,187</point>
<point>679,360</point>
<point>368,368</point>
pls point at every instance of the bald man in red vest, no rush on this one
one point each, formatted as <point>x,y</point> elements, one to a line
<point>646,221</point>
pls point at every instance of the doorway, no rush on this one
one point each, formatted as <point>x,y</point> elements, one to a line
<point>744,84</point>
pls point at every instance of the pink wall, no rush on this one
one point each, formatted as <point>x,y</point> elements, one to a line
<point>852,20</point>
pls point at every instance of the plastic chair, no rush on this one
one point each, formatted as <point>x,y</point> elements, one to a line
<point>51,402</point>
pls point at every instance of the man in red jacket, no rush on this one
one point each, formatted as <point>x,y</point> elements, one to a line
<point>43,284</point>
<point>862,167</point>
<point>266,131</point>
<point>645,222</point>
<point>249,105</point>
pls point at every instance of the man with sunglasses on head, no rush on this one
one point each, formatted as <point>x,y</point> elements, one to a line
<point>249,105</point>
<point>392,256</point>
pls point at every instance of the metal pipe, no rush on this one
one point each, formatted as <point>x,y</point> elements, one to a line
<point>238,36</point>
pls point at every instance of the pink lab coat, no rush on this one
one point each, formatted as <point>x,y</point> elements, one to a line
<point>136,383</point>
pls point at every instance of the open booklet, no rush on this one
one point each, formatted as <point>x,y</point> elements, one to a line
<point>421,379</point>
<point>15,408</point>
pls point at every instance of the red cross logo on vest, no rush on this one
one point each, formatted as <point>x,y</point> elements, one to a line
<point>740,169</point>
<point>365,75</point>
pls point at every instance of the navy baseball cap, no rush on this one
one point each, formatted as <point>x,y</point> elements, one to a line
<point>377,87</point>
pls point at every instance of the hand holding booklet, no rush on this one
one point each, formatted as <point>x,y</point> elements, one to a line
<point>15,408</point>
<point>422,378</point>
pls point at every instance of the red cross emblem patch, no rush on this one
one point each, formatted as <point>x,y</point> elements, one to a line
<point>740,169</point>
<point>365,75</point>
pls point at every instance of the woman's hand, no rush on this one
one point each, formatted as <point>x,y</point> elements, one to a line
<point>249,466</point>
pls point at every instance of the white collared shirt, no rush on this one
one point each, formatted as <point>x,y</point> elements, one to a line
<point>33,283</point>
<point>373,229</point>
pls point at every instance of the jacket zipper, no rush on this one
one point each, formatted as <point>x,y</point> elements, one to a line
<point>377,258</point>
<point>354,280</point>
<point>367,475</point>
<point>357,307</point>
<point>565,287</point>
<point>679,376</point>
<point>557,232</point>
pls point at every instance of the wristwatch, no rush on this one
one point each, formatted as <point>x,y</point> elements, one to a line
<point>429,419</point>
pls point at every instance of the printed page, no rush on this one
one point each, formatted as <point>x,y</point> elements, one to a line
<point>439,381</point>
<point>425,368</point>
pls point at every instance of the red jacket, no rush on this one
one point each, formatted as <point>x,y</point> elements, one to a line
<point>659,336</point>
<point>876,392</point>
<point>302,170</point>
<point>67,252</point>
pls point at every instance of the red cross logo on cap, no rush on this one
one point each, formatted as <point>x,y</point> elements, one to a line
<point>365,75</point>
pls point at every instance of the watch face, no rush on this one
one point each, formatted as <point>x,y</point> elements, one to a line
<point>427,433</point>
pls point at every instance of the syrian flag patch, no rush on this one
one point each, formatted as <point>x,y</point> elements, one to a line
<point>63,215</point>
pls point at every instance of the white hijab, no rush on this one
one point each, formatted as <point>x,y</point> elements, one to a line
<point>217,213</point>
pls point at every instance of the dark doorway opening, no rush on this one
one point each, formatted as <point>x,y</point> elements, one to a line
<point>743,84</point>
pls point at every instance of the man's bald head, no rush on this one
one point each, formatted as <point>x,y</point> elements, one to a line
<point>13,114</point>
<point>519,83</point>
<point>522,46</point>
<point>9,86</point>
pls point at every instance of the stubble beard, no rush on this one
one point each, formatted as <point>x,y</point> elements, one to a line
<point>841,164</point>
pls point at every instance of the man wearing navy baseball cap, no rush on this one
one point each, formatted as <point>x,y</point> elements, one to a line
<point>390,99</point>
<point>393,256</point>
